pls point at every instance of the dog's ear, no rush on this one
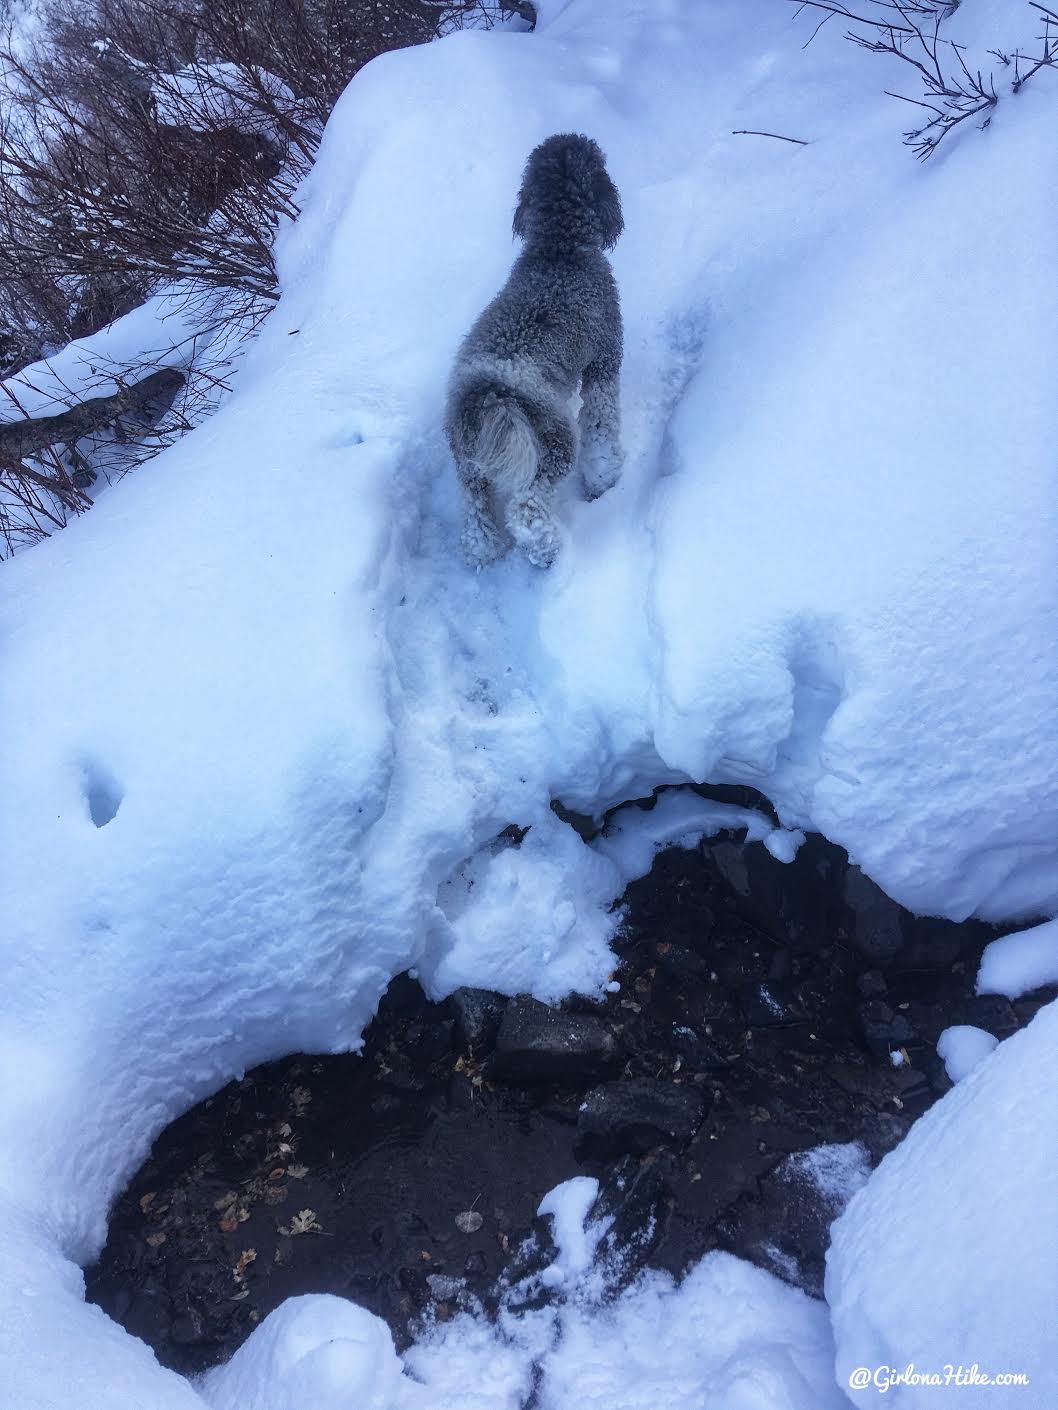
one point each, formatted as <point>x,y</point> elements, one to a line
<point>518,225</point>
<point>607,209</point>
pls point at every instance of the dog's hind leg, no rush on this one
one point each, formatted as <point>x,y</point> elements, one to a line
<point>529,515</point>
<point>482,540</point>
<point>600,458</point>
<point>532,524</point>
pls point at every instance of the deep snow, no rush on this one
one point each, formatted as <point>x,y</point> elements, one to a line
<point>262,728</point>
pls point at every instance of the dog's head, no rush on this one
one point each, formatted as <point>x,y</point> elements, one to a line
<point>567,197</point>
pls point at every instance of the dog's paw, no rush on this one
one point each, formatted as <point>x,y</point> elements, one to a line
<point>481,543</point>
<point>600,470</point>
<point>533,529</point>
<point>543,550</point>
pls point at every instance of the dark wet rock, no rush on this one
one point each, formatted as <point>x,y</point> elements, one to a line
<point>793,902</point>
<point>413,1282</point>
<point>695,1052</point>
<point>636,1115</point>
<point>541,1044</point>
<point>871,984</point>
<point>475,1265</point>
<point>680,960</point>
<point>875,925</point>
<point>459,1093</point>
<point>634,1198</point>
<point>186,1329</point>
<point>992,1012</point>
<point>762,1006</point>
<point>883,1030</point>
<point>430,1041</point>
<point>403,997</point>
<point>477,1014</point>
<point>785,1223</point>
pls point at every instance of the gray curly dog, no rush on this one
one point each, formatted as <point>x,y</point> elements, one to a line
<point>555,323</point>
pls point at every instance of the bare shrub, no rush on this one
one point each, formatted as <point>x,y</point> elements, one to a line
<point>953,91</point>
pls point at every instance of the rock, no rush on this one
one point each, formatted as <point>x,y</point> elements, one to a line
<point>761,1006</point>
<point>477,1014</point>
<point>696,1052</point>
<point>993,1013</point>
<point>634,1197</point>
<point>784,1224</point>
<point>429,1041</point>
<point>635,1116</point>
<point>679,960</point>
<point>476,1265</point>
<point>871,984</point>
<point>883,1029</point>
<point>186,1329</point>
<point>540,1044</point>
<point>874,921</point>
<point>791,901</point>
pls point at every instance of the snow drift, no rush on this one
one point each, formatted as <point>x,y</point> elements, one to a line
<point>261,725</point>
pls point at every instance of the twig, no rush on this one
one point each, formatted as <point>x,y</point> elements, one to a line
<point>750,132</point>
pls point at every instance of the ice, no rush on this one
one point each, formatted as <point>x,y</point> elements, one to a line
<point>265,736</point>
<point>949,1254</point>
<point>1016,964</point>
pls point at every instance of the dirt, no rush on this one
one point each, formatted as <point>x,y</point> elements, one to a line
<point>386,1175</point>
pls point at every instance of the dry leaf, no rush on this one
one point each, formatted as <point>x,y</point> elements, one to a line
<point>297,1172</point>
<point>304,1222</point>
<point>245,1259</point>
<point>146,1201</point>
<point>156,1239</point>
<point>469,1222</point>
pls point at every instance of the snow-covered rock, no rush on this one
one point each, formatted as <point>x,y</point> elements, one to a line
<point>962,1047</point>
<point>1016,964</point>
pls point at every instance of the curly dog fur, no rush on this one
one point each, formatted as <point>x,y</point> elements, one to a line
<point>556,324</point>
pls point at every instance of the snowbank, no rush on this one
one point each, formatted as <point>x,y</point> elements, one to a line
<point>262,728</point>
<point>1016,964</point>
<point>949,1255</point>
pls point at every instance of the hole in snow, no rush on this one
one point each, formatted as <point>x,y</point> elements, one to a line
<point>103,794</point>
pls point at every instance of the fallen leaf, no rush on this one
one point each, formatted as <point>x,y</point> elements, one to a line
<point>469,1222</point>
<point>146,1201</point>
<point>297,1172</point>
<point>277,1173</point>
<point>304,1222</point>
<point>155,1240</point>
<point>245,1259</point>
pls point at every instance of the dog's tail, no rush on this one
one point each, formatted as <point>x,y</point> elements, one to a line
<point>507,452</point>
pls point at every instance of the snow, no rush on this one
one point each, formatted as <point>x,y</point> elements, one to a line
<point>313,1351</point>
<point>726,1334</point>
<point>962,1047</point>
<point>264,733</point>
<point>569,1205</point>
<point>835,1171</point>
<point>208,97</point>
<point>1016,964</point>
<point>949,1254</point>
